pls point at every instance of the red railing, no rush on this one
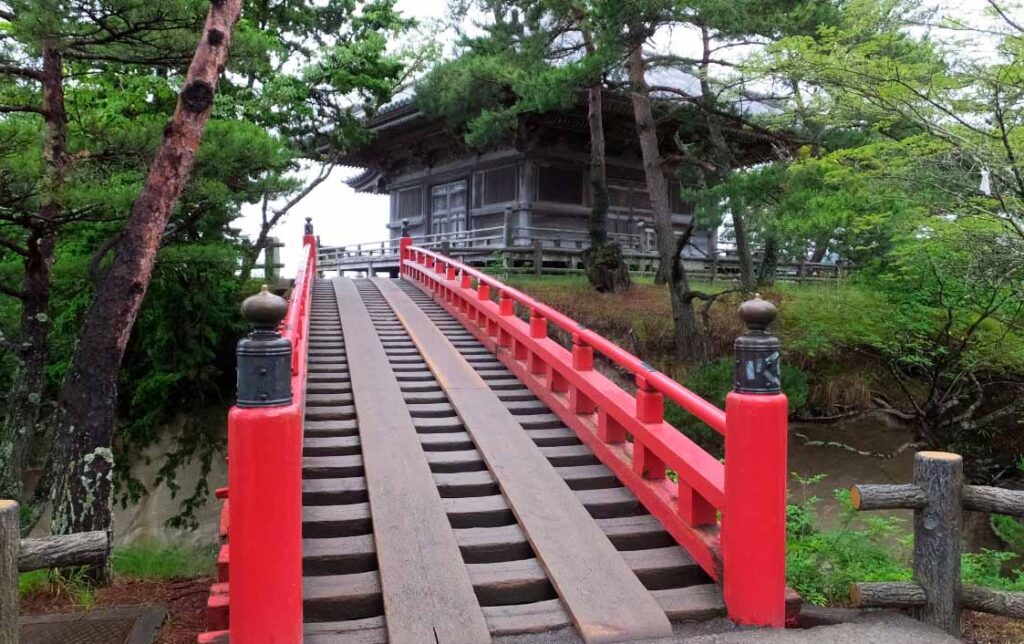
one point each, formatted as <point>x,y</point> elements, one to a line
<point>730,517</point>
<point>259,594</point>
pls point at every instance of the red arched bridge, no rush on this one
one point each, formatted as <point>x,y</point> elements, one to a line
<point>436,459</point>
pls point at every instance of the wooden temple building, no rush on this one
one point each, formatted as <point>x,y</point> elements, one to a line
<point>526,199</point>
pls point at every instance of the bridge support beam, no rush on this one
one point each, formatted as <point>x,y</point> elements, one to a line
<point>754,517</point>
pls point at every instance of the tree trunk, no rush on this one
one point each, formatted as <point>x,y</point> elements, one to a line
<point>739,228</point>
<point>87,402</point>
<point>606,268</point>
<point>657,185</point>
<point>24,401</point>
<point>820,250</point>
<point>689,340</point>
<point>770,260</point>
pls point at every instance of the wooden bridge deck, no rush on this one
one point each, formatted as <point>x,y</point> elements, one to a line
<point>443,502</point>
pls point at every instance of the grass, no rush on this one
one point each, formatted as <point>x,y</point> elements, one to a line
<point>143,560</point>
<point>152,560</point>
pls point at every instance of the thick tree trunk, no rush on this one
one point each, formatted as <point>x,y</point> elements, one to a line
<point>657,185</point>
<point>87,402</point>
<point>598,223</point>
<point>689,339</point>
<point>770,260</point>
<point>24,401</point>
<point>739,228</point>
<point>606,268</point>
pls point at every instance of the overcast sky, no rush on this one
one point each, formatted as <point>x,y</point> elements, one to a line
<point>342,217</point>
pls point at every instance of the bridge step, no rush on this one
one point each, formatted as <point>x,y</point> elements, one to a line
<point>343,592</point>
<point>605,598</point>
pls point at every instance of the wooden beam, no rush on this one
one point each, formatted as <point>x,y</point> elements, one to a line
<point>937,531</point>
<point>427,593</point>
<point>888,594</point>
<point>996,602</point>
<point>982,498</point>
<point>79,549</point>
<point>887,497</point>
<point>603,596</point>
<point>10,536</point>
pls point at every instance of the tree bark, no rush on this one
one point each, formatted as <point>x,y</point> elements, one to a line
<point>78,549</point>
<point>24,401</point>
<point>657,185</point>
<point>739,229</point>
<point>606,268</point>
<point>690,344</point>
<point>769,262</point>
<point>937,531</point>
<point>9,543</point>
<point>81,493</point>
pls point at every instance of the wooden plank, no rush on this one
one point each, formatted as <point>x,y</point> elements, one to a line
<point>426,590</point>
<point>604,597</point>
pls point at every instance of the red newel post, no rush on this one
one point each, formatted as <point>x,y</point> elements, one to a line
<point>265,479</point>
<point>754,518</point>
<point>403,246</point>
<point>308,238</point>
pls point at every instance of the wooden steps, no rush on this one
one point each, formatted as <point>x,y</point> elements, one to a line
<point>343,589</point>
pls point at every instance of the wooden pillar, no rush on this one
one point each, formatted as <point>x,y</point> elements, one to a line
<point>10,539</point>
<point>538,257</point>
<point>937,530</point>
<point>525,202</point>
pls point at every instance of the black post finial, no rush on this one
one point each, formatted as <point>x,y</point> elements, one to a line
<point>405,228</point>
<point>758,354</point>
<point>264,357</point>
<point>309,225</point>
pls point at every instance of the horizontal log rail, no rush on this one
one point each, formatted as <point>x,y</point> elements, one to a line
<point>938,497</point>
<point>19,555</point>
<point>628,433</point>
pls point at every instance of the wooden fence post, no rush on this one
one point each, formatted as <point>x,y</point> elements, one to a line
<point>10,539</point>
<point>937,528</point>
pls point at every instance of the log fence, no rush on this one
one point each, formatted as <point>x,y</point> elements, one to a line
<point>938,497</point>
<point>19,555</point>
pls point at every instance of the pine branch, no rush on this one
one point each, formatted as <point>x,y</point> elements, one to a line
<point>24,72</point>
<point>30,109</point>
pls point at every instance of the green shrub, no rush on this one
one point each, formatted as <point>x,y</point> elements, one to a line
<point>713,382</point>
<point>986,568</point>
<point>821,564</point>
<point>151,560</point>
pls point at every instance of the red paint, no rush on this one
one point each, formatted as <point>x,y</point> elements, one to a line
<point>749,489</point>
<point>754,524</point>
<point>262,523</point>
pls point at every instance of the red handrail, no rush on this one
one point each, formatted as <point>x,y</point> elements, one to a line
<point>691,402</point>
<point>628,433</point>
<point>264,508</point>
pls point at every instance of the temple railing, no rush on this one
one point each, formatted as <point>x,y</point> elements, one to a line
<point>261,520</point>
<point>730,517</point>
<point>553,250</point>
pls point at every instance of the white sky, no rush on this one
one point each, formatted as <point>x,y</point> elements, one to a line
<point>343,217</point>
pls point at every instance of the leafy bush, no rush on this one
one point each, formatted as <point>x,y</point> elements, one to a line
<point>821,564</point>
<point>713,382</point>
<point>986,568</point>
